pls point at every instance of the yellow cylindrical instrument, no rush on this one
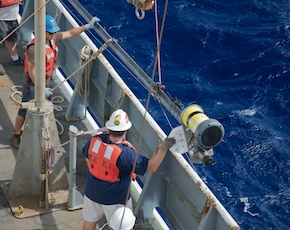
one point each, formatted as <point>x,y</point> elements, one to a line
<point>207,132</point>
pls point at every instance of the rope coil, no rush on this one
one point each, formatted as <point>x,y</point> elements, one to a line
<point>83,85</point>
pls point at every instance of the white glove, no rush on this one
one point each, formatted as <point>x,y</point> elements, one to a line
<point>48,92</point>
<point>91,24</point>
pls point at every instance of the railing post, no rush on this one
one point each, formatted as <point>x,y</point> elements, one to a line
<point>75,198</point>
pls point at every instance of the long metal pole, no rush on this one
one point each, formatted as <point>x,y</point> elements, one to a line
<point>40,86</point>
<point>72,166</point>
<point>39,29</point>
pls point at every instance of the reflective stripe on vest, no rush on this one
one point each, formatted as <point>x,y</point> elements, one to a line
<point>4,3</point>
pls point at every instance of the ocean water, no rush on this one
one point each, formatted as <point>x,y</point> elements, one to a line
<point>232,57</point>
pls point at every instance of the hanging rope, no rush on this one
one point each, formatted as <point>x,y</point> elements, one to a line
<point>157,44</point>
<point>152,76</point>
<point>151,84</point>
<point>49,155</point>
<point>83,85</point>
<point>158,40</point>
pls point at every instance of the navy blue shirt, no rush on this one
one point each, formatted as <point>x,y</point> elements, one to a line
<point>108,193</point>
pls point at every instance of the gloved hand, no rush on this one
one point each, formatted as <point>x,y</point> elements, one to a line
<point>48,92</point>
<point>167,144</point>
<point>91,24</point>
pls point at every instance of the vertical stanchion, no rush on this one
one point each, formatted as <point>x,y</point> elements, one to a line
<point>75,198</point>
<point>39,87</point>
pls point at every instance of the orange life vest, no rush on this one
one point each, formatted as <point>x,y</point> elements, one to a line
<point>4,3</point>
<point>51,56</point>
<point>103,159</point>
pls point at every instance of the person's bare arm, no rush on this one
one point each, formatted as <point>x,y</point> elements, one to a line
<point>73,32</point>
<point>88,162</point>
<point>155,161</point>
<point>31,62</point>
<point>31,70</point>
<point>76,31</point>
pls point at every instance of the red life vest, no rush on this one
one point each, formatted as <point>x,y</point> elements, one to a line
<point>51,56</point>
<point>103,159</point>
<point>4,3</point>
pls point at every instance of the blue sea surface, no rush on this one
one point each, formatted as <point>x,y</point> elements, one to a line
<point>232,57</point>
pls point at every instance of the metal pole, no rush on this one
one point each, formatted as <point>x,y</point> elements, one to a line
<point>75,198</point>
<point>40,85</point>
<point>40,40</point>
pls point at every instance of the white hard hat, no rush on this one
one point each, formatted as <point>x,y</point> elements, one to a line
<point>119,121</point>
<point>124,215</point>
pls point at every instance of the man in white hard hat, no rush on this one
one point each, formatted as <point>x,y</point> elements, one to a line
<point>110,159</point>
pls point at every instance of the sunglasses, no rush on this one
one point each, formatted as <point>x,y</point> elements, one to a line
<point>50,33</point>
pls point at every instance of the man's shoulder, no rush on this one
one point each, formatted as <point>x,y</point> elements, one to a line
<point>128,150</point>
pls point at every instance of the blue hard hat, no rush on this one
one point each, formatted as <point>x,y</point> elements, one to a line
<point>51,25</point>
